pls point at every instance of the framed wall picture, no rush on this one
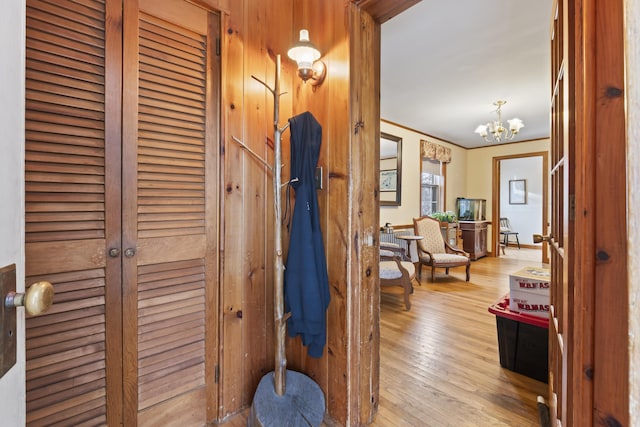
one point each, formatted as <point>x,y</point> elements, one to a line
<point>388,179</point>
<point>517,191</point>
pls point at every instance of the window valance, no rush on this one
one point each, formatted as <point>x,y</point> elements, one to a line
<point>433,151</point>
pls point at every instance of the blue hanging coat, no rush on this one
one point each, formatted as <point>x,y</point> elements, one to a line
<point>306,284</point>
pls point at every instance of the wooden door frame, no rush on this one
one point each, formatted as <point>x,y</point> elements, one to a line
<point>495,199</point>
<point>598,258</point>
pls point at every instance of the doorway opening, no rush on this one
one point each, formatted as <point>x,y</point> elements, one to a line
<point>439,290</point>
<point>520,193</point>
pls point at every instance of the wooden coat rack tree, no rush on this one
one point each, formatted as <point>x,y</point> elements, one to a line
<point>304,401</point>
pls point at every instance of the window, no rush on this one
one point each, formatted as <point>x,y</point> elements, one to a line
<point>431,187</point>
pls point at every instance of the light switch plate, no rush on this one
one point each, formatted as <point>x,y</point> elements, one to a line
<point>7,320</point>
<point>318,178</point>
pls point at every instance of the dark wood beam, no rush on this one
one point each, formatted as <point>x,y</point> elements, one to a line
<point>383,10</point>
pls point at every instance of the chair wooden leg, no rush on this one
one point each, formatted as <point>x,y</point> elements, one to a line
<point>468,273</point>
<point>433,273</point>
<point>407,291</point>
<point>446,270</point>
<point>518,241</point>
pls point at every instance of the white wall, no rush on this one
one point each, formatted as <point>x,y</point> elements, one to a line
<point>632,10</point>
<point>480,170</point>
<point>470,173</point>
<point>525,219</point>
<point>410,201</point>
<point>12,24</point>
<point>480,166</point>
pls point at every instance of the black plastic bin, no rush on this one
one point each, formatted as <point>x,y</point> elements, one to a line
<point>523,341</point>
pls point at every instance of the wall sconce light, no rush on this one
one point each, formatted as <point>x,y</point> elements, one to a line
<point>307,55</point>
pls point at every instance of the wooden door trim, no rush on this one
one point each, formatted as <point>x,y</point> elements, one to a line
<point>495,197</point>
<point>215,205</point>
<point>578,51</point>
<point>607,103</point>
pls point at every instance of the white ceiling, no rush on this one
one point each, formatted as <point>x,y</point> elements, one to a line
<point>445,62</point>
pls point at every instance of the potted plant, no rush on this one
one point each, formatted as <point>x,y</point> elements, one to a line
<point>448,224</point>
<point>447,217</point>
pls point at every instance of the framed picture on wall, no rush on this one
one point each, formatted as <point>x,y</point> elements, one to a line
<point>388,180</point>
<point>517,191</point>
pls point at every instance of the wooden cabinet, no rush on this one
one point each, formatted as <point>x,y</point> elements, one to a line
<point>450,232</point>
<point>474,238</point>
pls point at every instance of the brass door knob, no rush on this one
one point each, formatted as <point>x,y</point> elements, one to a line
<point>36,301</point>
<point>539,238</point>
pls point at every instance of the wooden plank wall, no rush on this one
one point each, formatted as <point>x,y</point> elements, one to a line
<point>245,321</point>
<point>328,24</point>
<point>347,107</point>
<point>253,33</point>
<point>321,26</point>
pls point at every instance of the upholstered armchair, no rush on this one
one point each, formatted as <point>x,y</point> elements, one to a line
<point>394,271</point>
<point>433,251</point>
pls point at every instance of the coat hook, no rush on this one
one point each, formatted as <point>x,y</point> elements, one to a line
<point>253,153</point>
<point>290,181</point>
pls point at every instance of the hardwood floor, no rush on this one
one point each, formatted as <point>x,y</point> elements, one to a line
<point>439,361</point>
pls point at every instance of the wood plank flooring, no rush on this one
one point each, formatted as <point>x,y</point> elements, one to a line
<point>439,361</point>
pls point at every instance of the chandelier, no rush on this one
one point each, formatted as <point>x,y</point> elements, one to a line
<point>499,132</point>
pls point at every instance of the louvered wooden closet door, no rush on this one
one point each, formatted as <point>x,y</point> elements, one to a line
<point>116,213</point>
<point>168,210</point>
<point>72,215</point>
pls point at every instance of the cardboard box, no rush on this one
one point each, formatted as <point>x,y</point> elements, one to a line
<point>531,303</point>
<point>531,279</point>
<point>529,291</point>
